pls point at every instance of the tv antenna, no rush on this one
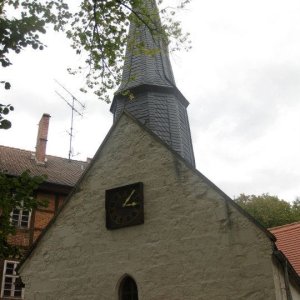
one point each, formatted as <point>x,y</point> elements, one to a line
<point>72,104</point>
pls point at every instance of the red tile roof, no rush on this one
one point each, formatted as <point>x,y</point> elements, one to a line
<point>288,241</point>
<point>59,170</point>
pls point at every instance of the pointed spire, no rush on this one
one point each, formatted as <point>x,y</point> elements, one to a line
<point>157,103</point>
<point>147,59</point>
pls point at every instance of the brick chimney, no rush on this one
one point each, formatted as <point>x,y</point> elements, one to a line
<point>41,142</point>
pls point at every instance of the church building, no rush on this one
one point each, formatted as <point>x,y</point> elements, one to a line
<point>143,223</point>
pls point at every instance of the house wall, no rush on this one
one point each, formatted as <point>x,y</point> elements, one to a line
<point>193,245</point>
<point>280,285</point>
<point>40,218</point>
<point>295,292</point>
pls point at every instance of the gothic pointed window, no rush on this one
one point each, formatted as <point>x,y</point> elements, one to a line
<point>128,289</point>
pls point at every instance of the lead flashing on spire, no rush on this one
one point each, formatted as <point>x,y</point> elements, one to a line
<point>149,88</point>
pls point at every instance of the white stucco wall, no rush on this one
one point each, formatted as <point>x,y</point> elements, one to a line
<point>193,245</point>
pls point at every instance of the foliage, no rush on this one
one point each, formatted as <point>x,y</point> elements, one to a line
<point>4,110</point>
<point>15,192</point>
<point>100,28</point>
<point>296,207</point>
<point>269,210</point>
<point>98,31</point>
<point>20,31</point>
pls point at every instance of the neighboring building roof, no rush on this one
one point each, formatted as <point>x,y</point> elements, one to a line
<point>58,170</point>
<point>288,241</point>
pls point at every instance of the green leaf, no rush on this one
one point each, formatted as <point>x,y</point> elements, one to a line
<point>5,124</point>
<point>7,85</point>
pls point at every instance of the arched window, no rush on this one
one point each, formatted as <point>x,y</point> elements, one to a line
<point>128,289</point>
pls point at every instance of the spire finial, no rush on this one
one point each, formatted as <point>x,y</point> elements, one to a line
<point>147,59</point>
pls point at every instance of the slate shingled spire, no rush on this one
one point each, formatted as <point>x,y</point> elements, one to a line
<point>140,69</point>
<point>157,102</point>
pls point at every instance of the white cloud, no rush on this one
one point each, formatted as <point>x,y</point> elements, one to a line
<point>241,78</point>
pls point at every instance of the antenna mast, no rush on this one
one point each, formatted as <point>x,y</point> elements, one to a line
<point>73,109</point>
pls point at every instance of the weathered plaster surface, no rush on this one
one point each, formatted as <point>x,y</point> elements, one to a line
<point>192,246</point>
<point>280,284</point>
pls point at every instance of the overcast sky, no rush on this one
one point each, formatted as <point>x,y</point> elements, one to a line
<point>242,79</point>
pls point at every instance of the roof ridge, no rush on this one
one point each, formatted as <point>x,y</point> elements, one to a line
<point>285,226</point>
<point>3,146</point>
<point>47,155</point>
<point>74,160</point>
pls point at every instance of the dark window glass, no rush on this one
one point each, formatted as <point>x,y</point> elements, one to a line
<point>15,217</point>
<point>7,286</point>
<point>128,289</point>
<point>10,268</point>
<point>18,293</point>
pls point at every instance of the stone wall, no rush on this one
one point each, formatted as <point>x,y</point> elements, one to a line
<point>194,245</point>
